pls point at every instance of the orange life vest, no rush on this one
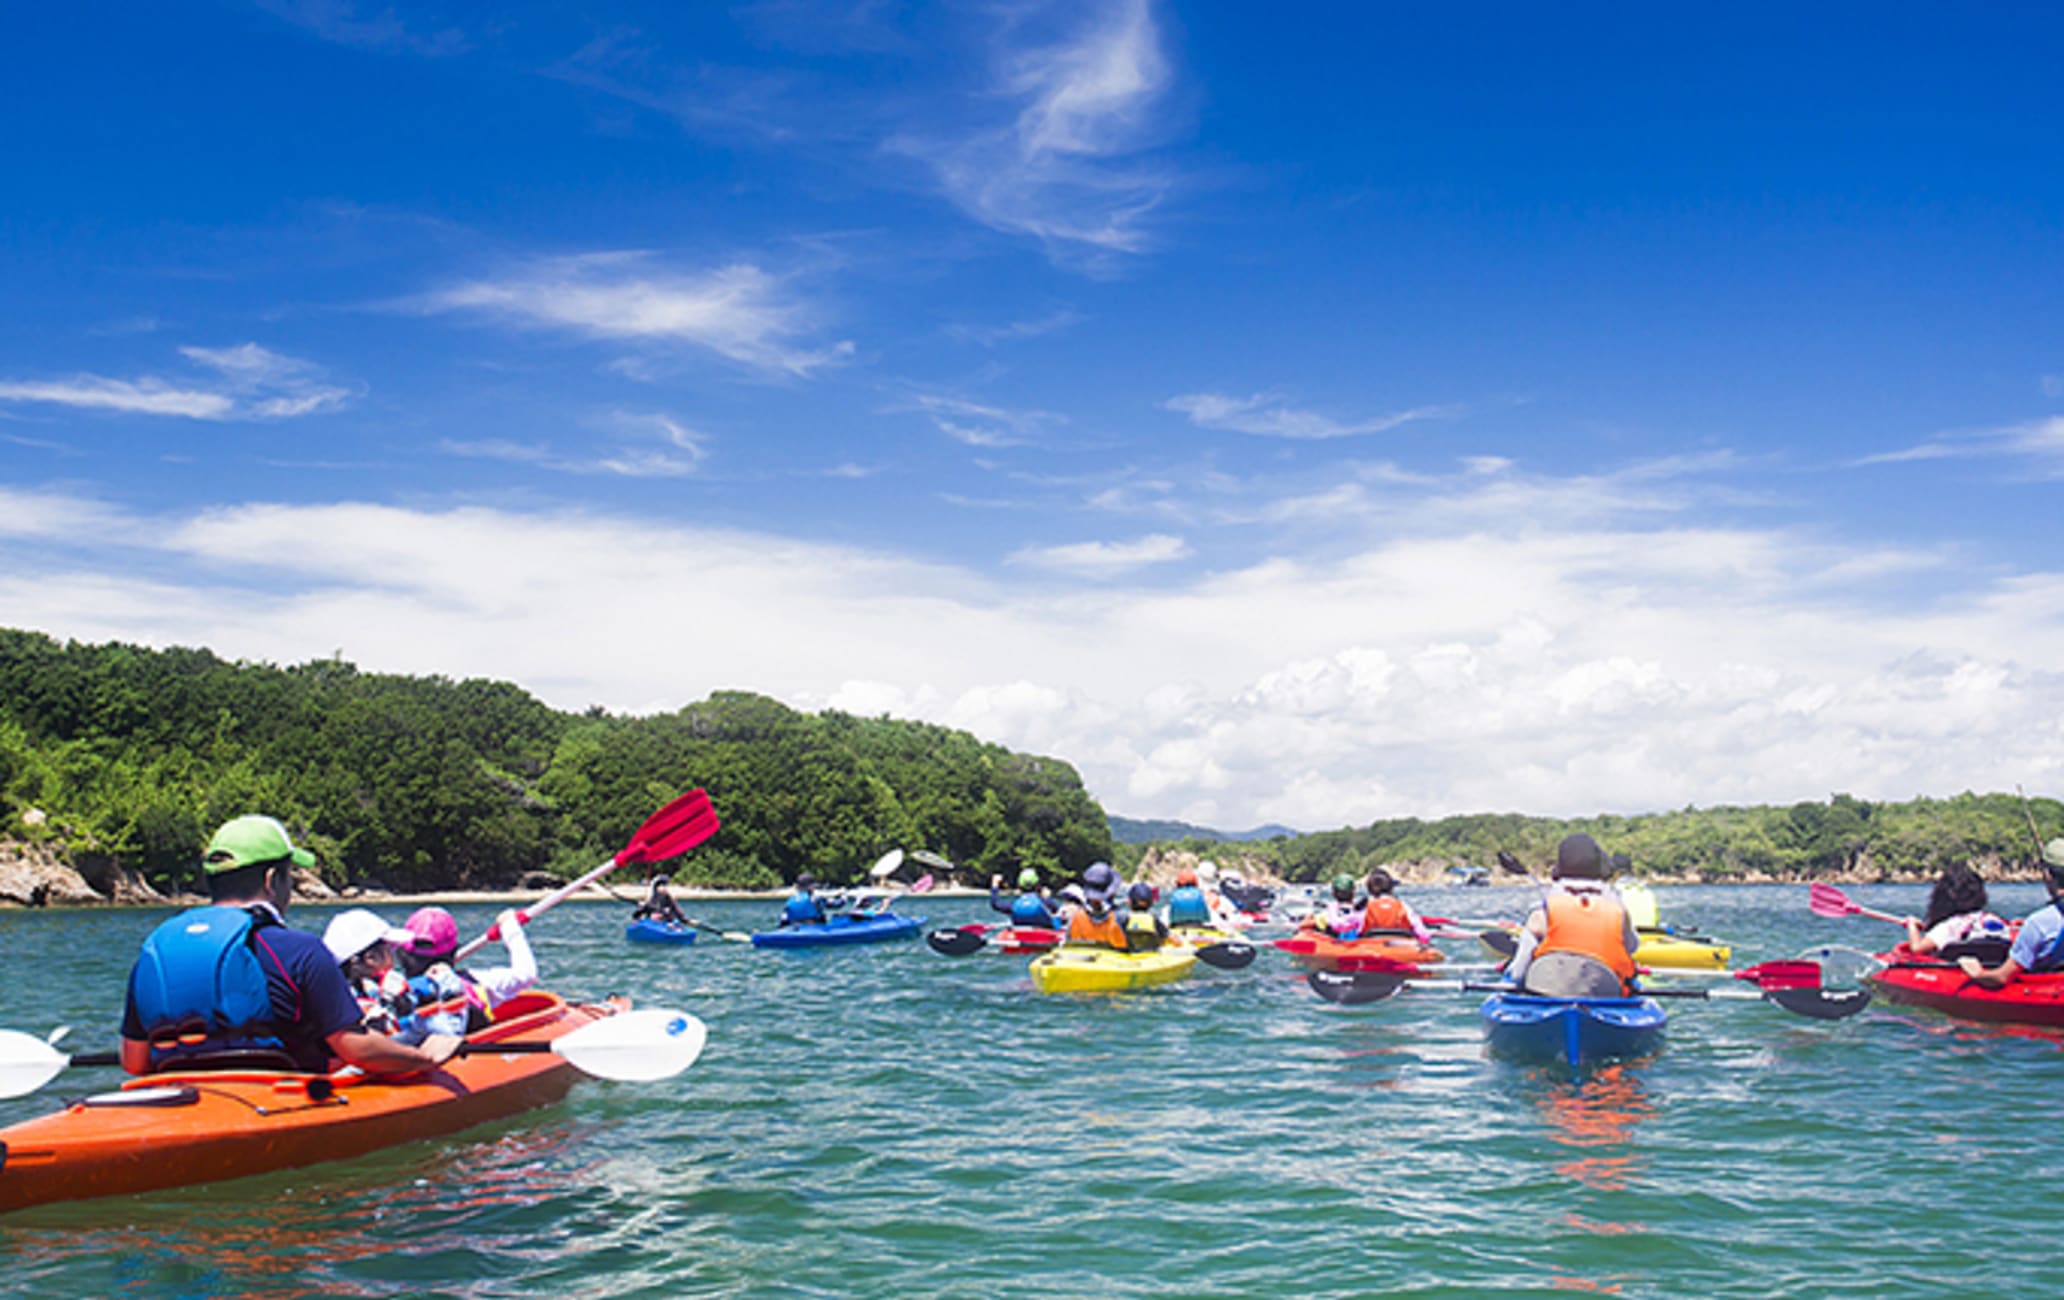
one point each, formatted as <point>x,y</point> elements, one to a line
<point>1590,925</point>
<point>1084,928</point>
<point>1385,912</point>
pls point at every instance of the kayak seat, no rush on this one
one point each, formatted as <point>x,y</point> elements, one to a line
<point>1572,975</point>
<point>268,1059</point>
<point>1991,952</point>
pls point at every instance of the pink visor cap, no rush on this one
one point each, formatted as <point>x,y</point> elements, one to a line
<point>436,933</point>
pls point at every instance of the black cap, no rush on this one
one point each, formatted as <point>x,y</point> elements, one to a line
<point>1580,857</point>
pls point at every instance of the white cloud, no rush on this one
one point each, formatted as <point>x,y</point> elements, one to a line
<point>683,454</point>
<point>251,383</point>
<point>737,311</point>
<point>1270,416</point>
<point>1069,167</point>
<point>1104,559</point>
<point>989,336</point>
<point>979,425</point>
<point>2037,439</point>
<point>1612,668</point>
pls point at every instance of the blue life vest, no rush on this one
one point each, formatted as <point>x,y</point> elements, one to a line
<point>803,909</point>
<point>1186,906</point>
<point>1030,911</point>
<point>197,978</point>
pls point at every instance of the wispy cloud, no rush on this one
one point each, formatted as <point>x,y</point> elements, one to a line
<point>738,311</point>
<point>250,383</point>
<point>2038,439</point>
<point>2053,385</point>
<point>978,425</point>
<point>1104,559</point>
<point>366,26</point>
<point>990,336</point>
<point>1069,167</point>
<point>683,453</point>
<point>1268,415</point>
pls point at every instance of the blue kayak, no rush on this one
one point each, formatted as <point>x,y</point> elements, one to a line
<point>841,929</point>
<point>1577,1030</point>
<point>647,930</point>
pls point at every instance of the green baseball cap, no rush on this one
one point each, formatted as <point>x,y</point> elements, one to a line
<point>1028,879</point>
<point>248,841</point>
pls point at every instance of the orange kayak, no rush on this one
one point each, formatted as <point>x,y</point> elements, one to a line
<point>171,1130</point>
<point>1317,951</point>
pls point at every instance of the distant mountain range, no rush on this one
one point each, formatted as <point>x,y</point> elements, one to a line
<point>1128,830</point>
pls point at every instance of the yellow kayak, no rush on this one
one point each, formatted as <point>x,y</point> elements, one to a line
<point>1106,970</point>
<point>1681,952</point>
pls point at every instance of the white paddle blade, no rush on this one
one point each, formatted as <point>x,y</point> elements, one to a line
<point>889,862</point>
<point>635,1046</point>
<point>27,1063</point>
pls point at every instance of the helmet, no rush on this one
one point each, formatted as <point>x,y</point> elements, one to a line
<point>1343,887</point>
<point>436,934</point>
<point>662,879</point>
<point>1207,870</point>
<point>2053,854</point>
<point>1028,879</point>
<point>1186,877</point>
<point>1141,894</point>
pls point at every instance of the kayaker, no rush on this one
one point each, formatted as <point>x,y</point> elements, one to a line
<point>1580,925</point>
<point>1339,916</point>
<point>1144,931</point>
<point>364,946</point>
<point>216,984</point>
<point>659,904</point>
<point>1094,922</point>
<point>1031,909</point>
<point>1385,911</point>
<point>454,1000</point>
<point>2039,946</point>
<point>803,906</point>
<point>1187,904</point>
<point>1956,916</point>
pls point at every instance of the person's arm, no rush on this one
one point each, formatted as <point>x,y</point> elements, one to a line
<point>1985,977</point>
<point>1913,934</point>
<point>1419,930</point>
<point>379,1054</point>
<point>135,1056</point>
<point>1537,923</point>
<point>500,983</point>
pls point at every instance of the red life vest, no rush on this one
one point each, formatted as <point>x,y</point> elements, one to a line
<point>1590,925</point>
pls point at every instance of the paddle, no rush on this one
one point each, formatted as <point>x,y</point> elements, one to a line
<point>1358,987</point>
<point>2028,811</point>
<point>1229,954</point>
<point>732,936</point>
<point>1826,900</point>
<point>673,830</point>
<point>634,1047</point>
<point>958,943</point>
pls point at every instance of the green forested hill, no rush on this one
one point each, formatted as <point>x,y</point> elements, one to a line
<point>423,782</point>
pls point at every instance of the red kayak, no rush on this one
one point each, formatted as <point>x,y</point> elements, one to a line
<point>1924,982</point>
<point>1024,938</point>
<point>1318,951</point>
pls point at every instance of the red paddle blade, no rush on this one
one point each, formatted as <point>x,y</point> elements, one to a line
<point>1826,900</point>
<point>1783,975</point>
<point>674,829</point>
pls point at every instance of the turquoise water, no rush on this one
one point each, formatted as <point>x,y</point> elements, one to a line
<point>887,1122</point>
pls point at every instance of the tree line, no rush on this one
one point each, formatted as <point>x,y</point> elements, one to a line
<point>422,783</point>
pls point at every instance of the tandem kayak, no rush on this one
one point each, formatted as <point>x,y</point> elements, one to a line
<point>1106,970</point>
<point>842,929</point>
<point>1521,1026</point>
<point>175,1129</point>
<point>647,930</point>
<point>1920,982</point>
<point>1315,951</point>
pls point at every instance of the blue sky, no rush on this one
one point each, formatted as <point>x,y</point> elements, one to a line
<point>1306,416</point>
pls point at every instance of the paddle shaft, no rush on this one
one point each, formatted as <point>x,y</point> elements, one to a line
<point>2028,811</point>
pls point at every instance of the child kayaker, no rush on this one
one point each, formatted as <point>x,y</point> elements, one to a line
<point>659,904</point>
<point>803,907</point>
<point>1956,917</point>
<point>2039,945</point>
<point>1144,931</point>
<point>1187,904</point>
<point>1094,922</point>
<point>1580,942</point>
<point>452,1000</point>
<point>215,984</point>
<point>1339,915</point>
<point>1031,909</point>
<point>364,946</point>
<point>1385,911</point>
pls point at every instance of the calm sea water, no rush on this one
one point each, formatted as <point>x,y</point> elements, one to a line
<point>888,1122</point>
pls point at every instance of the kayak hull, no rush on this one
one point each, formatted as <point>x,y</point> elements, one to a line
<point>646,930</point>
<point>842,930</point>
<point>1939,986</point>
<point>1105,970</point>
<point>231,1124</point>
<point>1324,952</point>
<point>1575,1031</point>
<point>1659,951</point>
